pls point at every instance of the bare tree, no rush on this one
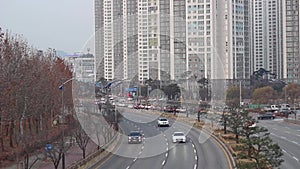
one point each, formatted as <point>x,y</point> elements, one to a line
<point>30,98</point>
<point>82,140</point>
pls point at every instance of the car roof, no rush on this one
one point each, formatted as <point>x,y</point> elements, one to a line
<point>135,133</point>
<point>178,132</point>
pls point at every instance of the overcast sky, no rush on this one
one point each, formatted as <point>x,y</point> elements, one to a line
<point>60,24</point>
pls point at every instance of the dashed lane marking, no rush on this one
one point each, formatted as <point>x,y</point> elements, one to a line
<point>195,166</point>
<point>127,167</point>
<point>295,158</point>
<point>163,163</point>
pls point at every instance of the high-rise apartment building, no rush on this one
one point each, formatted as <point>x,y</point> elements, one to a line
<point>130,39</point>
<point>200,36</point>
<point>291,59</point>
<point>230,36</point>
<point>267,40</point>
<point>109,39</point>
<point>99,39</point>
<point>165,39</point>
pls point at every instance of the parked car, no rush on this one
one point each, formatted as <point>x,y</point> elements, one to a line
<point>271,108</point>
<point>268,115</point>
<point>135,137</point>
<point>282,114</point>
<point>130,106</point>
<point>169,109</point>
<point>181,110</point>
<point>178,137</point>
<point>250,124</point>
<point>163,122</point>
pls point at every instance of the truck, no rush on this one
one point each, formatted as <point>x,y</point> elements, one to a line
<point>271,108</point>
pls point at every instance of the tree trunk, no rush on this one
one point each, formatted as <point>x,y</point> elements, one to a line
<point>1,135</point>
<point>236,138</point>
<point>21,127</point>
<point>37,125</point>
<point>26,160</point>
<point>11,133</point>
<point>41,122</point>
<point>29,126</point>
<point>83,152</point>
<point>249,146</point>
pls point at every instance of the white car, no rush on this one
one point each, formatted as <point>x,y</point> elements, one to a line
<point>181,110</point>
<point>178,137</point>
<point>163,122</point>
<point>121,104</point>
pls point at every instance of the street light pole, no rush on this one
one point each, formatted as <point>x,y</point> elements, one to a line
<point>61,87</point>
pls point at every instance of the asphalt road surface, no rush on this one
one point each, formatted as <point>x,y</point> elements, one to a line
<point>288,137</point>
<point>157,150</point>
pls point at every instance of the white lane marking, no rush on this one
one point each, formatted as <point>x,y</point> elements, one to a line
<point>140,152</point>
<point>142,147</point>
<point>195,166</point>
<point>294,142</point>
<point>135,159</point>
<point>166,154</point>
<point>274,134</point>
<point>127,167</point>
<point>295,158</point>
<point>284,150</point>
<point>194,150</point>
<point>298,135</point>
<point>167,143</point>
<point>193,145</point>
<point>163,163</point>
<point>283,137</point>
<point>167,148</point>
<point>196,157</point>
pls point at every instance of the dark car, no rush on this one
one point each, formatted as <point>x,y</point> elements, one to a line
<point>135,137</point>
<point>268,115</point>
<point>169,109</point>
<point>282,114</point>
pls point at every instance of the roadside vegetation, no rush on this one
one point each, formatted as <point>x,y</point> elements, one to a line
<point>30,99</point>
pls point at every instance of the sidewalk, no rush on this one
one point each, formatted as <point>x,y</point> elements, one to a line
<point>73,155</point>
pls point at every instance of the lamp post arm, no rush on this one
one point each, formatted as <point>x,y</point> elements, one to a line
<point>62,85</point>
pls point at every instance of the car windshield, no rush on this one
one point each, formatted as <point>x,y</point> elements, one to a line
<point>135,134</point>
<point>163,119</point>
<point>178,134</point>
